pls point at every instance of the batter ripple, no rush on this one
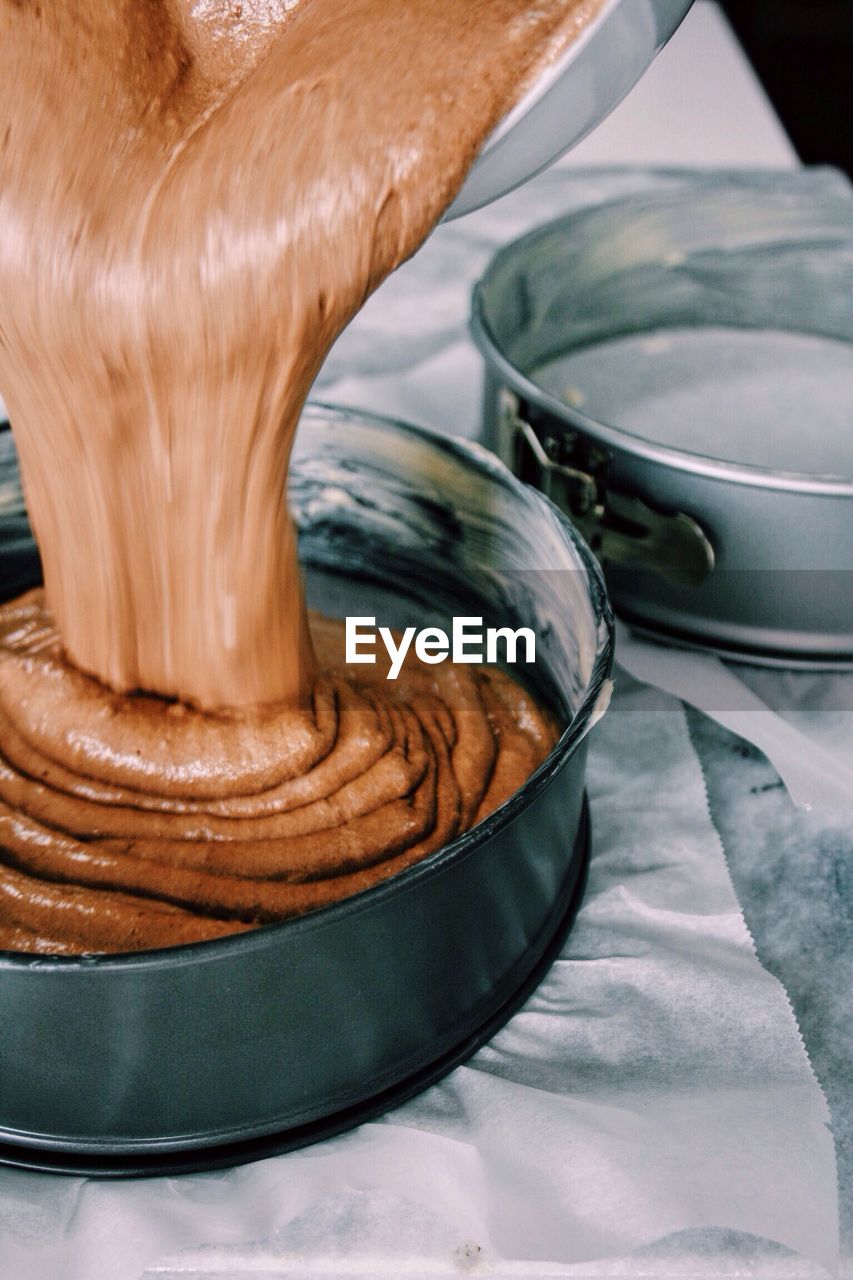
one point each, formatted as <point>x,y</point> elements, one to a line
<point>129,821</point>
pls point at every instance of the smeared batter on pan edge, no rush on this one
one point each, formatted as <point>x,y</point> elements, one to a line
<point>194,200</point>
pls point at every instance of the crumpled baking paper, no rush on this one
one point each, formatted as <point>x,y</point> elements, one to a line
<point>810,748</point>
<point>651,1111</point>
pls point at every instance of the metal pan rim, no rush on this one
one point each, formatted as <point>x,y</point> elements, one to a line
<point>637,446</point>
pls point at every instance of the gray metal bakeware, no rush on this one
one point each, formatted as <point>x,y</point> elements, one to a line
<point>210,1054</point>
<point>739,545</point>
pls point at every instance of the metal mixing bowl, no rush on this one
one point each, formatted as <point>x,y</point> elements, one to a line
<point>571,97</point>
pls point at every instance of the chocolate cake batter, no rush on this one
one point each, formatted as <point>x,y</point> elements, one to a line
<point>195,197</point>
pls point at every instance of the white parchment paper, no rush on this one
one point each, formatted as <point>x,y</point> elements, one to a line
<point>812,751</point>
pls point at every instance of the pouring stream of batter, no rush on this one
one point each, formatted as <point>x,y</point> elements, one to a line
<point>195,198</point>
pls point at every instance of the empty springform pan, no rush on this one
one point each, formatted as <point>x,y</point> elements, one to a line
<point>735,540</point>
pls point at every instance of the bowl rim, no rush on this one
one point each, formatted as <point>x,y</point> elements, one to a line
<point>462,846</point>
<point>514,134</point>
<point>550,74</point>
